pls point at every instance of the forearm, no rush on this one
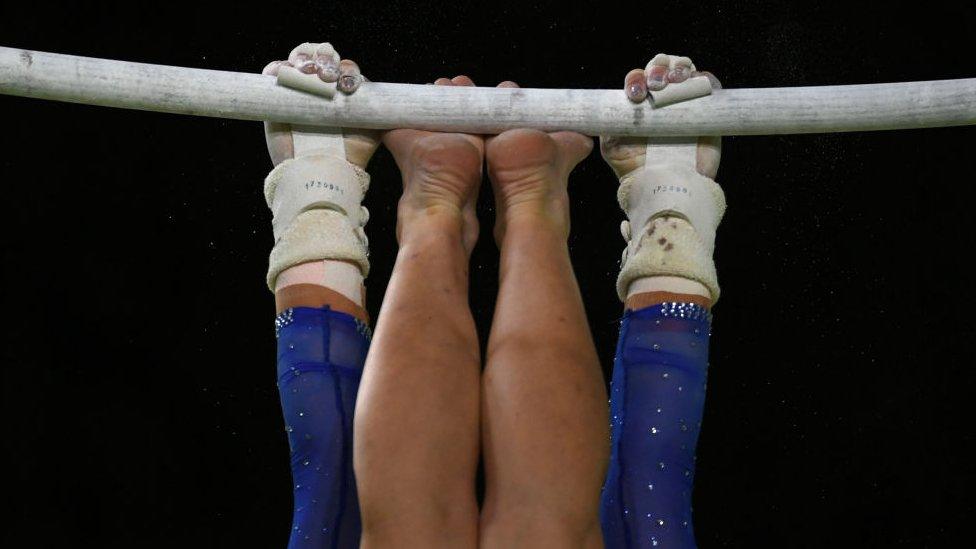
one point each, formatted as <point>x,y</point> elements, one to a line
<point>657,400</point>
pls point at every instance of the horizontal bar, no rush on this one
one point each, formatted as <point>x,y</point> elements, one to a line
<point>247,96</point>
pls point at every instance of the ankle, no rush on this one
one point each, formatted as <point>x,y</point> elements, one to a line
<point>431,223</point>
<point>540,217</point>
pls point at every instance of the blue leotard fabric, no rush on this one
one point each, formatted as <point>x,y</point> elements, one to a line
<point>320,361</point>
<point>657,395</point>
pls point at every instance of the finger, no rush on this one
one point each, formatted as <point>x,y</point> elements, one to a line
<point>349,76</point>
<point>656,72</point>
<point>307,67</point>
<point>272,67</point>
<point>462,80</point>
<point>680,69</point>
<point>327,62</point>
<point>301,54</point>
<point>716,85</point>
<point>443,82</point>
<point>635,84</point>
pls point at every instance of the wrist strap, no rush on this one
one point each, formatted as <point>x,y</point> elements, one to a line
<point>312,140</point>
<point>669,183</point>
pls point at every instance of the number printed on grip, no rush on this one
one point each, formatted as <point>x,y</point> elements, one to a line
<point>670,188</point>
<point>316,184</point>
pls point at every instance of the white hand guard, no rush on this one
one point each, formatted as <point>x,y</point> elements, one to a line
<point>316,202</point>
<point>673,212</point>
<point>692,88</point>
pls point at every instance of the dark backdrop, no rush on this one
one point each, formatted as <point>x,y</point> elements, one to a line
<point>139,403</point>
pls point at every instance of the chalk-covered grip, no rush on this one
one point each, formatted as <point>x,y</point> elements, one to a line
<point>672,215</point>
<point>290,77</point>
<point>692,88</point>
<point>315,202</point>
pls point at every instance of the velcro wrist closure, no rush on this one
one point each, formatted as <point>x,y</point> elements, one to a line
<point>675,190</point>
<point>315,182</point>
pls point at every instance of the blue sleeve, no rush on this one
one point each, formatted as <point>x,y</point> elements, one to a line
<point>657,396</point>
<point>320,362</point>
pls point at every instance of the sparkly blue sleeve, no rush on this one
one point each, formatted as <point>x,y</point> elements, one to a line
<point>320,362</point>
<point>657,396</point>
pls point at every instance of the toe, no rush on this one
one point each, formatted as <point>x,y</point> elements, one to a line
<point>443,82</point>
<point>462,80</point>
<point>507,84</point>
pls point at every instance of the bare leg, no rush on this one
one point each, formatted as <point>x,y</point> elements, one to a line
<point>544,405</point>
<point>416,424</point>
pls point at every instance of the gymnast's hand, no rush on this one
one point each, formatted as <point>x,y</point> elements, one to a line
<point>324,61</point>
<point>441,175</point>
<point>625,154</point>
<point>529,172</point>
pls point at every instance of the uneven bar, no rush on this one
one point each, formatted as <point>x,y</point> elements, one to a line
<point>247,96</point>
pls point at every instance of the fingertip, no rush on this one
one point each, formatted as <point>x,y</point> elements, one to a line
<point>716,84</point>
<point>462,80</point>
<point>443,82</point>
<point>681,69</point>
<point>272,68</point>
<point>301,53</point>
<point>635,85</point>
<point>328,65</point>
<point>325,49</point>
<point>507,84</point>
<point>678,74</point>
<point>349,76</point>
<point>348,66</point>
<point>660,60</point>
<point>656,77</point>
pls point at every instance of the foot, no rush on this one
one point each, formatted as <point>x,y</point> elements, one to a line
<point>529,172</point>
<point>441,176</point>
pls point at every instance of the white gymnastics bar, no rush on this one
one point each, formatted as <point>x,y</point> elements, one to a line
<point>247,96</point>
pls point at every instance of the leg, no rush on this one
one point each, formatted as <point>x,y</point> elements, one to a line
<point>544,404</point>
<point>416,426</point>
<point>416,447</point>
<point>657,397</point>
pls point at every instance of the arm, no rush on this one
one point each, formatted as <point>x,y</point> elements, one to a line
<point>668,283</point>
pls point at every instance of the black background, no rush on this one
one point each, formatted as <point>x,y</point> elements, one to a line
<point>139,404</point>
